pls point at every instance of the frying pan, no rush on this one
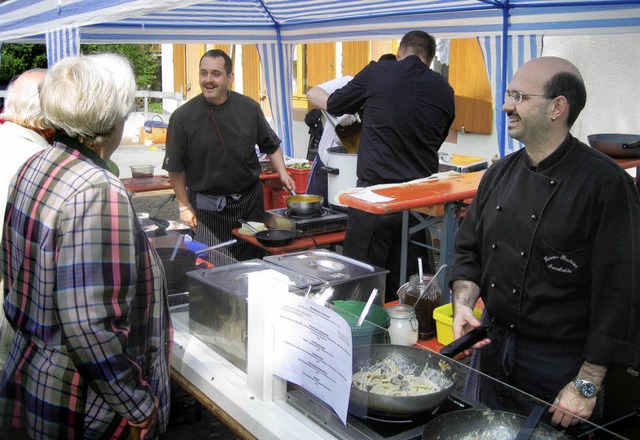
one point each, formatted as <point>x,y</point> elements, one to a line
<point>616,145</point>
<point>412,361</point>
<point>304,204</point>
<point>484,424</point>
<point>271,237</point>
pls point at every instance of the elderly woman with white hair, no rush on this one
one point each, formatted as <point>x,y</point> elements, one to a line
<point>24,133</point>
<point>84,289</point>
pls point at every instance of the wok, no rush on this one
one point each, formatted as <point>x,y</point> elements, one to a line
<point>484,424</point>
<point>616,145</point>
<point>412,361</point>
<point>271,237</point>
<point>304,204</point>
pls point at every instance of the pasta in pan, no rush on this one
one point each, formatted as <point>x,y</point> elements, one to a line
<point>386,378</point>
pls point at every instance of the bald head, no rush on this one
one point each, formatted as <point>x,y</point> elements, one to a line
<point>557,77</point>
<point>22,103</point>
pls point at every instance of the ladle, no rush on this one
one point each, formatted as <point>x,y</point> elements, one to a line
<point>426,289</point>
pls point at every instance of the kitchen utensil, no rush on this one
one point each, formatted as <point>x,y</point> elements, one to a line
<point>484,423</point>
<point>304,204</point>
<point>176,247</point>
<point>271,237</point>
<point>413,360</point>
<point>216,246</point>
<point>367,306</point>
<point>616,145</point>
<point>341,173</point>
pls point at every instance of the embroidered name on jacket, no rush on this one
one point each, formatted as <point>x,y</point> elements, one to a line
<point>561,263</point>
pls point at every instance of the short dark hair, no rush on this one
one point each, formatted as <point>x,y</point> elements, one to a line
<point>570,86</point>
<point>219,53</point>
<point>387,57</point>
<point>421,43</point>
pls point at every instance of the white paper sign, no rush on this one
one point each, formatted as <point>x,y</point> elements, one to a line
<point>313,349</point>
<point>370,196</point>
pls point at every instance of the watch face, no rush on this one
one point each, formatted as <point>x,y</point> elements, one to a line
<point>587,389</point>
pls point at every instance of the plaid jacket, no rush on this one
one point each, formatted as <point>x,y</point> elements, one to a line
<point>86,293</point>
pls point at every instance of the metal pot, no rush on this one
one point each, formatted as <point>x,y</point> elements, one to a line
<point>484,424</point>
<point>341,173</point>
<point>304,204</point>
<point>616,145</point>
<point>441,371</point>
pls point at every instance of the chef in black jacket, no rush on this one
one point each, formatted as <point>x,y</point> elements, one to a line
<point>408,109</point>
<point>552,245</point>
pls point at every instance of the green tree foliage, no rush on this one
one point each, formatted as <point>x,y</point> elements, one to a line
<point>16,58</point>
<point>145,59</point>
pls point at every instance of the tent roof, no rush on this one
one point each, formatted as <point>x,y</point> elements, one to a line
<point>297,21</point>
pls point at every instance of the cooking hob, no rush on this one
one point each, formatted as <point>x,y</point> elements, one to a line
<point>370,428</point>
<point>322,222</point>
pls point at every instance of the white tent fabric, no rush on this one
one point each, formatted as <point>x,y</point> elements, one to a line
<point>62,43</point>
<point>521,49</point>
<point>278,23</point>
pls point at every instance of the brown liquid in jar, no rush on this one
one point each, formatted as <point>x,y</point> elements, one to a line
<point>409,294</point>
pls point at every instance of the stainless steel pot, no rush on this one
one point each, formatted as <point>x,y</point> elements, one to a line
<point>304,204</point>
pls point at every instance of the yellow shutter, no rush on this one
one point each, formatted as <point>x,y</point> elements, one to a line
<point>321,62</point>
<point>468,77</point>
<point>179,68</point>
<point>250,71</point>
<point>355,55</point>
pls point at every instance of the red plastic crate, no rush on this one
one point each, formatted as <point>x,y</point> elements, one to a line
<point>300,177</point>
<point>279,198</point>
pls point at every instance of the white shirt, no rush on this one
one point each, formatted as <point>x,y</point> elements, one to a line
<point>329,137</point>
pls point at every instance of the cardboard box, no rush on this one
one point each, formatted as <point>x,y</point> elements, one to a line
<point>443,316</point>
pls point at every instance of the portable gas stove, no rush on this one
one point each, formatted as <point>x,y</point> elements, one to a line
<point>324,221</point>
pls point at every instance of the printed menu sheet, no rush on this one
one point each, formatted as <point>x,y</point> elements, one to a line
<point>313,349</point>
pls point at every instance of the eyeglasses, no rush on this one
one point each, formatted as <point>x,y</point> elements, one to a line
<point>517,96</point>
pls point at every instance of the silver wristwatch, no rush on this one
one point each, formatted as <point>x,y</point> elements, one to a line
<point>586,388</point>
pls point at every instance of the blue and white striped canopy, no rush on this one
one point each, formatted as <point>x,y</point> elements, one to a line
<point>281,24</point>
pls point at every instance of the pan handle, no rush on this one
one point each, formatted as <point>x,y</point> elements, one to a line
<point>631,145</point>
<point>464,342</point>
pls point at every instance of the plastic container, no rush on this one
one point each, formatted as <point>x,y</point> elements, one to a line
<point>141,171</point>
<point>443,316</point>
<point>373,329</point>
<point>403,325</point>
<point>300,177</point>
<point>432,298</point>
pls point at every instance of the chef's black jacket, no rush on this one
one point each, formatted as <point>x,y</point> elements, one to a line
<point>408,109</point>
<point>556,252</point>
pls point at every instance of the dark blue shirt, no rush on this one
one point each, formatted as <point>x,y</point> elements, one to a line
<point>408,109</point>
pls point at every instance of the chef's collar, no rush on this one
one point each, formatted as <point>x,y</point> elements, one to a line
<point>214,106</point>
<point>82,149</point>
<point>554,157</point>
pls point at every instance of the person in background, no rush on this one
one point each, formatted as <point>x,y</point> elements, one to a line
<point>317,97</point>
<point>24,133</point>
<point>551,243</point>
<point>84,289</point>
<point>408,110</point>
<point>211,157</point>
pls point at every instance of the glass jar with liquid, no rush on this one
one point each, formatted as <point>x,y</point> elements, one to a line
<point>403,325</point>
<point>431,298</point>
